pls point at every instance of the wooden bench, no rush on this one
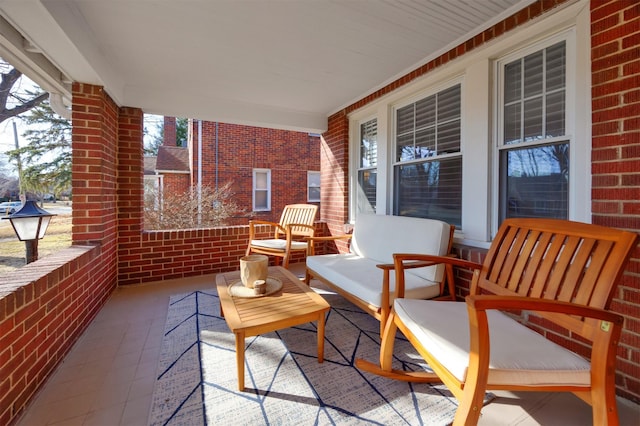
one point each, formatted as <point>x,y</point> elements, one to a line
<point>365,277</point>
<point>564,272</point>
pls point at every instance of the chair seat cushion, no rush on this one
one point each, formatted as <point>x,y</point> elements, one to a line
<point>276,244</point>
<point>360,277</point>
<point>519,355</point>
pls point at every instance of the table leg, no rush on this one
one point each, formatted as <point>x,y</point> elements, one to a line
<point>240,359</point>
<point>321,337</point>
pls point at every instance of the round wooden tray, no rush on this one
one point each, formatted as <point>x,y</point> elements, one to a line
<point>237,289</point>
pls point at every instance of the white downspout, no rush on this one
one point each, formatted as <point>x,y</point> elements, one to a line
<point>199,186</point>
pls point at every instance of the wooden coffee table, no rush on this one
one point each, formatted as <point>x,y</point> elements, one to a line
<point>296,303</point>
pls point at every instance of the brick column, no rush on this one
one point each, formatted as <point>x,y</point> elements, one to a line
<point>334,171</point>
<point>130,175</point>
<point>94,141</point>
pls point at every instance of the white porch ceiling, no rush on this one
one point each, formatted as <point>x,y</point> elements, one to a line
<point>274,63</point>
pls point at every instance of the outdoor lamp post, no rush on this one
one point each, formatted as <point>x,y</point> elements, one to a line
<point>30,223</point>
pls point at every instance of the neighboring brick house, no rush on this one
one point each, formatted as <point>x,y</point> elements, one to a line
<point>258,162</point>
<point>172,167</point>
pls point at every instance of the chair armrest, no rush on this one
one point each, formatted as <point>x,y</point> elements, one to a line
<point>416,260</point>
<point>404,261</point>
<point>344,237</point>
<point>486,302</point>
<point>416,263</point>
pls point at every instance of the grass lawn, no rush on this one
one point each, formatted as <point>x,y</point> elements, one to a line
<point>12,250</point>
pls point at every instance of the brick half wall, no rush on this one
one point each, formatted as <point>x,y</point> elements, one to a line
<point>44,308</point>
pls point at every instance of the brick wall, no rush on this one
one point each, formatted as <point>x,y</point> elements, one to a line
<point>615,76</point>
<point>615,44</point>
<point>240,149</point>
<point>44,308</point>
<point>175,183</point>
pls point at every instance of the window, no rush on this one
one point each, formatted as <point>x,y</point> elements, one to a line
<point>367,167</point>
<point>428,161</point>
<point>313,186</point>
<point>513,114</point>
<point>533,143</point>
<point>261,189</point>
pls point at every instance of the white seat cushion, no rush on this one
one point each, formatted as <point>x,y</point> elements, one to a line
<point>360,276</point>
<point>519,355</point>
<point>279,244</point>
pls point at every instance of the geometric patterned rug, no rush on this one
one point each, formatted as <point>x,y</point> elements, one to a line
<point>197,379</point>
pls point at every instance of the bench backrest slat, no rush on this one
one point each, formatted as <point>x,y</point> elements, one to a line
<point>556,260</point>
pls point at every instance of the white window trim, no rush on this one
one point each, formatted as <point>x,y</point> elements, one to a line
<point>479,200</point>
<point>309,186</point>
<point>254,189</point>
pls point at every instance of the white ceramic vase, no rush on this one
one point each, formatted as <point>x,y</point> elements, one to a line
<point>252,268</point>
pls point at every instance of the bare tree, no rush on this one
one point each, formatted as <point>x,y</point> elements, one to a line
<point>12,101</point>
<point>188,210</point>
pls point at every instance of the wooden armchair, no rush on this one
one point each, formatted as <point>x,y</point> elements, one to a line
<point>563,272</point>
<point>289,235</point>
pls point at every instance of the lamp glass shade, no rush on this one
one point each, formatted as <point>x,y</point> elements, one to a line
<point>43,226</point>
<point>30,222</point>
<point>27,227</point>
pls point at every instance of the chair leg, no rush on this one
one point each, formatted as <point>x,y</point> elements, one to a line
<point>384,317</point>
<point>388,339</point>
<point>603,403</point>
<point>468,412</point>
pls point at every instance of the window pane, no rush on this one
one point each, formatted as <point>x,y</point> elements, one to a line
<point>431,189</point>
<point>369,144</point>
<point>314,179</point>
<point>314,193</point>
<point>555,114</point>
<point>512,123</point>
<point>512,81</point>
<point>405,148</point>
<point>425,143</point>
<point>449,137</point>
<point>533,119</point>
<point>426,112</point>
<point>261,180</point>
<point>556,60</point>
<point>261,200</point>
<point>404,119</point>
<point>535,182</point>
<point>449,104</point>
<point>533,74</point>
<point>367,184</point>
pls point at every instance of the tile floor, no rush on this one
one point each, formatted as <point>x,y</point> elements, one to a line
<point>107,378</point>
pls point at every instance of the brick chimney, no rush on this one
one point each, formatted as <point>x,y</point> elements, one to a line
<point>169,131</point>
